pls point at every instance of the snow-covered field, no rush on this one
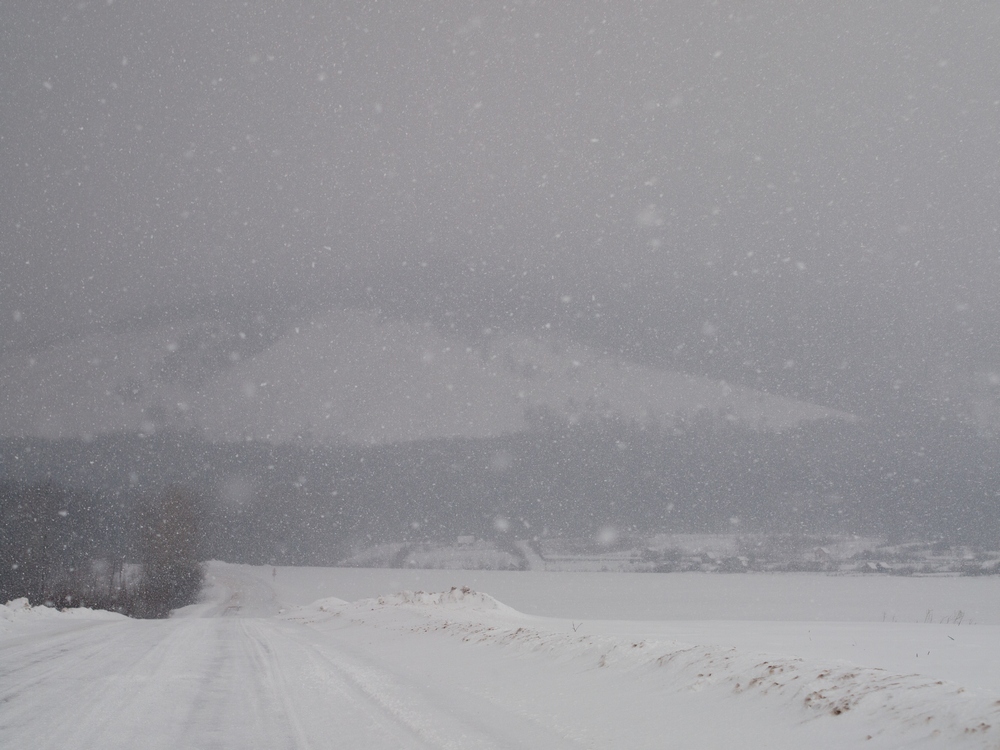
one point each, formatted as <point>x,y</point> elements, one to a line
<point>280,658</point>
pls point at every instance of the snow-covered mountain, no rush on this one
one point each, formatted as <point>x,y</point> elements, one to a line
<point>346,376</point>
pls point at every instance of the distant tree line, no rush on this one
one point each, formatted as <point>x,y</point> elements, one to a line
<point>912,477</point>
<point>83,549</point>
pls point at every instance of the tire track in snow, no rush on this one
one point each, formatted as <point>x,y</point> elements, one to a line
<point>29,662</point>
<point>386,722</point>
<point>272,682</point>
<point>233,682</point>
<point>432,715</point>
<point>89,697</point>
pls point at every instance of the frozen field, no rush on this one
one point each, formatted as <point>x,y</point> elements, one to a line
<point>279,658</point>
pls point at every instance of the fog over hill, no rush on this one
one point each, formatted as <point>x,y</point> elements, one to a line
<point>348,377</point>
<point>633,253</point>
<point>793,200</point>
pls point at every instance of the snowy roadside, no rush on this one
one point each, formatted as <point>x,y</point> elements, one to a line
<point>19,614</point>
<point>454,669</point>
<point>878,703</point>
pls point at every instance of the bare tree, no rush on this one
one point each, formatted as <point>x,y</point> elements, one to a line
<point>172,575</point>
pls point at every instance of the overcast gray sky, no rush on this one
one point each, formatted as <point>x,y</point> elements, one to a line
<point>797,196</point>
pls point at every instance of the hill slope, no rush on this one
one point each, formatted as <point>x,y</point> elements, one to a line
<point>346,376</point>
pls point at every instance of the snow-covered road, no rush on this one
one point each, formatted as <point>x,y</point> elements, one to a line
<point>233,681</point>
<point>420,671</point>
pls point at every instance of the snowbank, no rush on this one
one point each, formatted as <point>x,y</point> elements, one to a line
<point>913,704</point>
<point>19,612</point>
<point>455,602</point>
<point>456,599</point>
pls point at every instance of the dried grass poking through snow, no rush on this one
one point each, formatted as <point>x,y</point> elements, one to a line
<point>932,707</point>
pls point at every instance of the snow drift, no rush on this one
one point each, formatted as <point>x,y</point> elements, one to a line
<point>921,707</point>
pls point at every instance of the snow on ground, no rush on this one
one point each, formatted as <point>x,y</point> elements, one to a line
<point>878,621</point>
<point>18,613</point>
<point>890,706</point>
<point>310,657</point>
